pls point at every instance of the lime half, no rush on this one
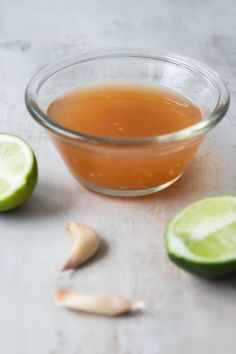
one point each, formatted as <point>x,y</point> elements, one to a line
<point>202,237</point>
<point>18,171</point>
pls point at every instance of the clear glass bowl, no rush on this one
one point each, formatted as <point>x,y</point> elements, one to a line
<point>121,167</point>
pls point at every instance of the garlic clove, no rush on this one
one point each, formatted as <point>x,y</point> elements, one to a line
<point>97,303</point>
<point>85,244</point>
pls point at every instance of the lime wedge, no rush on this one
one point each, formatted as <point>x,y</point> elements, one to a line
<point>18,171</point>
<point>202,237</point>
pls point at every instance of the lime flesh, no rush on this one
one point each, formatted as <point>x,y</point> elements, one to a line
<point>18,172</point>
<point>202,237</point>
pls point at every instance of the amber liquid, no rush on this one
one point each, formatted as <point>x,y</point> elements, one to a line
<point>125,111</point>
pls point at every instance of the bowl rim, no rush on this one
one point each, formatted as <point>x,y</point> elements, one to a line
<point>193,65</point>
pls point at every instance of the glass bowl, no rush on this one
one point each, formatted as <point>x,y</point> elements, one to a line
<point>135,166</point>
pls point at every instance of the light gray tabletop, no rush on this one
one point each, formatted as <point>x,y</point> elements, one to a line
<point>185,314</point>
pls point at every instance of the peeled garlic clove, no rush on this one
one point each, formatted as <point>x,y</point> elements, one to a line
<point>102,304</point>
<point>85,244</point>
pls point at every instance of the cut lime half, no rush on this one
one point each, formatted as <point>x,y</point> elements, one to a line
<point>202,237</point>
<point>18,171</point>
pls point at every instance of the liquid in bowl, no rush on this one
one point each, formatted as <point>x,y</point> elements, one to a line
<point>125,111</point>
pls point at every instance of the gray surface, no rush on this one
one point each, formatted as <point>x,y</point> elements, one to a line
<point>185,314</point>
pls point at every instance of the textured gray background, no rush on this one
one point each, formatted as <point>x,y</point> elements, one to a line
<point>185,314</point>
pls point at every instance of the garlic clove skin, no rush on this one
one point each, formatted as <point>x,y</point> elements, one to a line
<point>85,244</point>
<point>97,303</point>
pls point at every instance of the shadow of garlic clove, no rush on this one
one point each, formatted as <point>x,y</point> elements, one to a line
<point>85,244</point>
<point>97,303</point>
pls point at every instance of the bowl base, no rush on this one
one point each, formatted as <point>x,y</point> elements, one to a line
<point>127,193</point>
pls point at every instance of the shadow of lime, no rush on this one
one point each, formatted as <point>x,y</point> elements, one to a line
<point>46,201</point>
